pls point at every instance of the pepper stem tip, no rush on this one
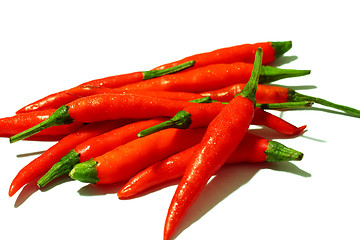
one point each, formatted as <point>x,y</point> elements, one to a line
<point>85,172</point>
<point>281,47</point>
<point>63,167</point>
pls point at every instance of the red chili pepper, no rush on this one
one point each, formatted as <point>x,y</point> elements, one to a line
<point>125,161</point>
<point>43,163</point>
<point>278,124</point>
<point>277,94</point>
<point>212,77</point>
<point>51,101</point>
<point>201,115</point>
<point>95,147</point>
<point>252,149</point>
<point>58,99</point>
<point>222,137</point>
<point>239,53</point>
<point>84,91</point>
<point>264,93</point>
<point>102,107</point>
<point>10,126</point>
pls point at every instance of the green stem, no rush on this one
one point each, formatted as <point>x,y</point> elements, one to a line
<point>202,100</point>
<point>60,168</point>
<point>277,152</point>
<point>85,172</point>
<point>249,91</point>
<point>294,96</point>
<point>157,73</point>
<point>270,74</point>
<point>59,117</point>
<point>281,47</point>
<point>182,119</point>
<point>285,105</point>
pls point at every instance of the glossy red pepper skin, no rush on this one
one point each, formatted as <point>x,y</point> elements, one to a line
<point>239,53</point>
<point>117,80</point>
<point>103,107</point>
<point>115,106</point>
<point>61,98</point>
<point>95,147</point>
<point>278,124</point>
<point>224,133</point>
<point>251,149</point>
<point>194,116</point>
<point>58,99</point>
<point>10,126</point>
<point>264,93</point>
<point>198,80</point>
<point>43,163</point>
<point>108,141</point>
<point>51,101</point>
<point>222,137</point>
<point>84,91</point>
<point>166,144</point>
<point>125,161</point>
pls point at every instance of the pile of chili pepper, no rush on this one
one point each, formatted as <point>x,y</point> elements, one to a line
<point>184,119</point>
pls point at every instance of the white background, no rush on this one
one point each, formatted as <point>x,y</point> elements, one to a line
<point>47,47</point>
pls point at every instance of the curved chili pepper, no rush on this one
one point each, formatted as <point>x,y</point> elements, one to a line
<point>58,99</point>
<point>43,163</point>
<point>252,149</point>
<point>274,122</point>
<point>102,107</point>
<point>84,91</point>
<point>125,161</point>
<point>221,138</point>
<point>212,77</point>
<point>95,147</point>
<point>239,53</point>
<point>277,94</point>
<point>202,115</point>
<point>10,126</point>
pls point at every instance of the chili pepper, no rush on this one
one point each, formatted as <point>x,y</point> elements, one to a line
<point>221,138</point>
<point>125,161</point>
<point>15,124</point>
<point>252,149</point>
<point>102,107</point>
<point>43,163</point>
<point>212,77</point>
<point>278,124</point>
<point>84,91</point>
<point>264,93</point>
<point>58,99</point>
<point>239,53</point>
<point>277,94</point>
<point>202,115</point>
<point>95,147</point>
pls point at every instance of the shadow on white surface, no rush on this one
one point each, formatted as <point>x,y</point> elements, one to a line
<point>100,189</point>
<point>229,179</point>
<point>32,187</point>
<point>283,60</point>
